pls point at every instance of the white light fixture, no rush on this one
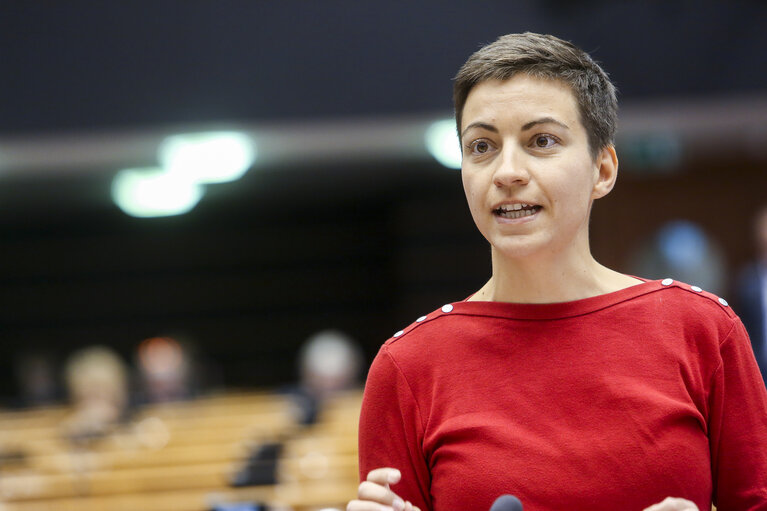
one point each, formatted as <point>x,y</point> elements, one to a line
<point>152,192</point>
<point>209,157</point>
<point>442,142</point>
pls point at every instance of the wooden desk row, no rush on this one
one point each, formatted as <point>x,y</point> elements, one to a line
<point>181,457</point>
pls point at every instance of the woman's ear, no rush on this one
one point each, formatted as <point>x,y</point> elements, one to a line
<point>606,172</point>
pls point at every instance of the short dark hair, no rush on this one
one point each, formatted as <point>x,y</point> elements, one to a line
<point>546,56</point>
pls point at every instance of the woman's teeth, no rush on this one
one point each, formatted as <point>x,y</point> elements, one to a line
<point>516,210</point>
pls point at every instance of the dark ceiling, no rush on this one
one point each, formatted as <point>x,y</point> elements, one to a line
<point>88,65</point>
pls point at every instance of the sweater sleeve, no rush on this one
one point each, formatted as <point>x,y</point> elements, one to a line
<point>391,430</point>
<point>738,427</point>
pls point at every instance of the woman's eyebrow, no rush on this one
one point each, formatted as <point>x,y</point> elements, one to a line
<point>483,125</point>
<point>544,120</point>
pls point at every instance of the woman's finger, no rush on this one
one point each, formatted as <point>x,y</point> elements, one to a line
<point>374,492</point>
<point>410,507</point>
<point>673,504</point>
<point>384,476</point>
<point>366,505</point>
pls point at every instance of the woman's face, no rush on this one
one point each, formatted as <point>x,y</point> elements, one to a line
<point>527,171</point>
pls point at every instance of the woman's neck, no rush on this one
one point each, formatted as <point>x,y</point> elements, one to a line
<point>550,279</point>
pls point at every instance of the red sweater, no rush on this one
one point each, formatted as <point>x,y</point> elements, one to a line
<point>608,403</point>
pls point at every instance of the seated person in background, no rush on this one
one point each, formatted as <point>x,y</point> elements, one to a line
<point>752,293</point>
<point>38,379</point>
<point>329,362</point>
<point>97,384</point>
<point>164,369</point>
<point>561,381</point>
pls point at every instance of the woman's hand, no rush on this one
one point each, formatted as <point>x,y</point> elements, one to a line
<point>374,493</point>
<point>673,504</point>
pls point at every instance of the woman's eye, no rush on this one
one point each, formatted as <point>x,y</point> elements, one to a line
<point>544,141</point>
<point>479,147</point>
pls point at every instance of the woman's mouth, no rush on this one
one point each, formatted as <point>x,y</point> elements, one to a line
<point>513,211</point>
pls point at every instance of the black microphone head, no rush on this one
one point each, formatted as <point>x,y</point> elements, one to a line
<point>506,503</point>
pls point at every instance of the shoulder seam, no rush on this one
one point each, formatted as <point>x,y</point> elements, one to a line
<point>409,388</point>
<point>415,324</point>
<point>721,303</point>
<point>728,336</point>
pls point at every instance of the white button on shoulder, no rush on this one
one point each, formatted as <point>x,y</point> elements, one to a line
<point>399,333</point>
<point>696,289</point>
<point>447,308</point>
<point>420,319</point>
<point>723,302</point>
<point>667,282</point>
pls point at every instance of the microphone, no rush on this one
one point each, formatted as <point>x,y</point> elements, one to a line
<point>506,503</point>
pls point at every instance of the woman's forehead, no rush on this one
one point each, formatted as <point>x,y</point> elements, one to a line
<point>519,96</point>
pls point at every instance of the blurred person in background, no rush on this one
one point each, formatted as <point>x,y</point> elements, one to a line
<point>37,378</point>
<point>329,362</point>
<point>165,371</point>
<point>98,388</point>
<point>751,293</point>
<point>683,250</point>
<point>562,381</point>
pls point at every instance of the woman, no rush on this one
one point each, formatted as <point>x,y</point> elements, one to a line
<point>561,381</point>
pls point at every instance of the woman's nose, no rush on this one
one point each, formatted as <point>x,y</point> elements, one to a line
<point>511,170</point>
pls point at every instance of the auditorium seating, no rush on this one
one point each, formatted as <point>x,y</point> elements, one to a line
<point>181,456</point>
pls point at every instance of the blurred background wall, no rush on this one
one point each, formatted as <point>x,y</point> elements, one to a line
<point>344,220</point>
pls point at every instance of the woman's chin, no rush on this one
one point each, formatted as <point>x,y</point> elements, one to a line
<point>518,247</point>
